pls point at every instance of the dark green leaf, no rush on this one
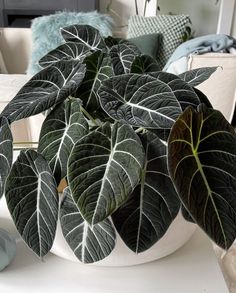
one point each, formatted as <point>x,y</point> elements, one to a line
<point>140,100</point>
<point>122,57</point>
<point>62,128</point>
<point>98,69</point>
<point>153,205</point>
<point>67,51</point>
<point>184,93</point>
<point>203,98</point>
<point>84,34</point>
<point>103,170</point>
<point>32,200</point>
<point>47,88</point>
<point>197,76</point>
<point>6,152</point>
<point>202,164</point>
<point>111,41</point>
<point>186,215</point>
<point>89,243</point>
<point>144,64</point>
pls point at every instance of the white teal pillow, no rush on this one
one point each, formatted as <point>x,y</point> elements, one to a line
<point>46,32</point>
<point>172,27</point>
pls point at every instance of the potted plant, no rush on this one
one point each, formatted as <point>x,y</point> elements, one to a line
<point>137,148</point>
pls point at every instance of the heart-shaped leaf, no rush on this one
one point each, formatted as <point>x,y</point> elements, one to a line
<point>122,57</point>
<point>141,100</point>
<point>67,51</point>
<point>197,76</point>
<point>6,152</point>
<point>89,243</point>
<point>32,200</point>
<point>84,34</point>
<point>186,215</point>
<point>144,64</point>
<point>183,92</point>
<point>62,128</point>
<point>153,205</point>
<point>47,88</point>
<point>98,69</point>
<point>203,98</point>
<point>202,164</point>
<point>103,170</point>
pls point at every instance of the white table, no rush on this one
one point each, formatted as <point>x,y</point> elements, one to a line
<point>192,269</point>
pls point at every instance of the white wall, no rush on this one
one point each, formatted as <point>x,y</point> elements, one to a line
<point>234,25</point>
<point>203,13</point>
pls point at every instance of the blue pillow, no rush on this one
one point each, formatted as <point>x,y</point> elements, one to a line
<point>46,32</point>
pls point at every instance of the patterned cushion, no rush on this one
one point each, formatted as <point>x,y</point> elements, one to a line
<point>173,28</point>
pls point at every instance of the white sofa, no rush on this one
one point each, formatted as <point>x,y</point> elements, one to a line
<point>16,46</point>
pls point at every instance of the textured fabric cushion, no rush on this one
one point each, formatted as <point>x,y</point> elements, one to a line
<point>46,31</point>
<point>3,69</point>
<point>148,44</point>
<point>173,28</point>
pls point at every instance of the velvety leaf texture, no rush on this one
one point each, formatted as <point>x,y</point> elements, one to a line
<point>153,205</point>
<point>122,57</point>
<point>47,88</point>
<point>197,76</point>
<point>98,68</point>
<point>84,34</point>
<point>67,51</point>
<point>62,128</point>
<point>141,100</point>
<point>89,243</point>
<point>103,170</point>
<point>144,64</point>
<point>6,152</point>
<point>32,200</point>
<point>202,164</point>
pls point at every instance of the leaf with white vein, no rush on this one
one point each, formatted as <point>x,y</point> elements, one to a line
<point>89,243</point>
<point>144,64</point>
<point>104,169</point>
<point>67,51</point>
<point>122,57</point>
<point>98,68</point>
<point>202,165</point>
<point>62,128</point>
<point>32,200</point>
<point>197,76</point>
<point>6,152</point>
<point>141,100</point>
<point>153,205</point>
<point>47,88</point>
<point>84,34</point>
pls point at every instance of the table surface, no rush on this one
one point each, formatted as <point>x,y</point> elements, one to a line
<point>193,268</point>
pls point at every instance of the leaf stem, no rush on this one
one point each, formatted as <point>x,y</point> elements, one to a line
<point>89,116</point>
<point>140,129</point>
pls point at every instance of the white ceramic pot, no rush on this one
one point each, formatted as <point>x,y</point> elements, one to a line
<point>177,235</point>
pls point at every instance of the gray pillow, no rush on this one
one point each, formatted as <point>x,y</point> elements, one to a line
<point>172,27</point>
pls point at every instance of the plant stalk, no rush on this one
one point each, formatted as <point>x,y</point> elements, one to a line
<point>89,116</point>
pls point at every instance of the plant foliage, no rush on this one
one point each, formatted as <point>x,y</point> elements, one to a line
<point>134,144</point>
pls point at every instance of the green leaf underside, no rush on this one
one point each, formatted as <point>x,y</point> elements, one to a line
<point>122,57</point>
<point>144,64</point>
<point>197,76</point>
<point>84,34</point>
<point>32,200</point>
<point>140,100</point>
<point>89,243</point>
<point>6,152</point>
<point>202,164</point>
<point>103,170</point>
<point>153,205</point>
<point>98,68</point>
<point>62,128</point>
<point>68,51</point>
<point>47,88</point>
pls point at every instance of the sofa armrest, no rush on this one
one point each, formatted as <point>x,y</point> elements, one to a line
<point>15,46</point>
